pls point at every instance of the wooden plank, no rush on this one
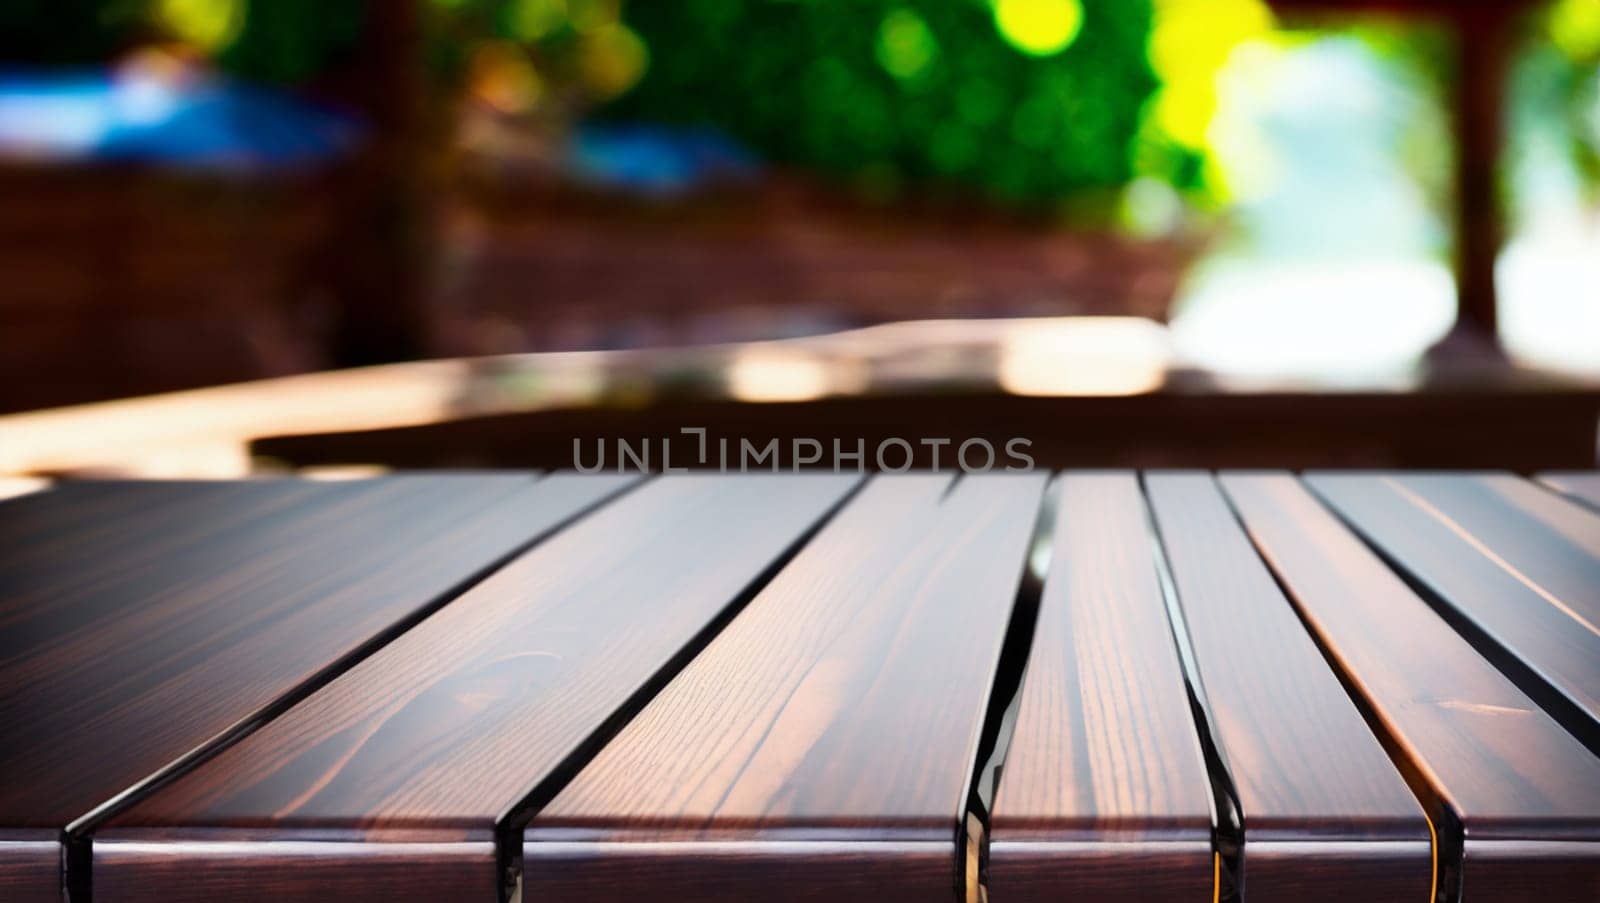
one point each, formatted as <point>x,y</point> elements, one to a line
<point>1519,792</point>
<point>29,864</point>
<point>824,745</point>
<point>228,865</point>
<point>1513,567</point>
<point>143,624</point>
<point>441,734</point>
<point>1325,814</point>
<point>1104,793</point>
<point>1552,542</point>
<point>1583,485</point>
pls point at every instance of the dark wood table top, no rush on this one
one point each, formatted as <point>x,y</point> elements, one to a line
<point>1514,566</point>
<point>1493,769</point>
<point>1105,783</point>
<point>841,710</point>
<point>143,625</point>
<point>1324,813</point>
<point>221,597</point>
<point>797,687</point>
<point>440,735</point>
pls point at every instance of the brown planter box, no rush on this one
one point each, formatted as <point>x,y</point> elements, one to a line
<point>538,266</point>
<point>123,281</point>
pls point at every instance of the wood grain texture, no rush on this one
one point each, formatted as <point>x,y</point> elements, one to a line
<point>841,708</point>
<point>1521,787</point>
<point>1516,568</point>
<point>1552,541</point>
<point>140,623</point>
<point>288,871</point>
<point>29,864</point>
<point>1582,485</point>
<point>738,871</point>
<point>1146,871</point>
<point>1533,872</point>
<point>1104,791</point>
<point>1307,769</point>
<point>445,730</point>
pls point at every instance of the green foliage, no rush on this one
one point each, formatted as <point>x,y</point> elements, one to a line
<point>894,93</point>
<point>290,41</point>
<point>574,49</point>
<point>1563,83</point>
<point>456,26</point>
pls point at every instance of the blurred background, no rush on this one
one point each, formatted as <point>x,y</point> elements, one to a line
<point>1091,198</point>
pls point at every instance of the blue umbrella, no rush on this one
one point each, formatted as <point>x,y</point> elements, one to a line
<point>209,123</point>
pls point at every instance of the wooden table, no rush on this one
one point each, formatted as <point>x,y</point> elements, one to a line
<point>1084,391</point>
<point>1099,685</point>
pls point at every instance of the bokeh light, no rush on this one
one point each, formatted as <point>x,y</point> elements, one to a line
<point>763,374</point>
<point>1039,27</point>
<point>207,25</point>
<point>1311,159</point>
<point>1575,27</point>
<point>901,99</point>
<point>502,77</point>
<point>1103,356</point>
<point>1190,43</point>
<point>906,46</point>
<point>612,59</point>
<point>533,20</point>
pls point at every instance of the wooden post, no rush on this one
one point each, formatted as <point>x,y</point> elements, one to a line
<point>1483,39</point>
<point>380,261</point>
<point>1483,44</point>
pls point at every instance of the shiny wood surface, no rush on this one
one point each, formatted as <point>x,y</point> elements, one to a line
<point>1552,542</point>
<point>188,867</point>
<point>1524,792</point>
<point>444,731</point>
<point>1307,769</point>
<point>842,710</point>
<point>797,687</point>
<point>29,865</point>
<point>1516,568</point>
<point>143,623</point>
<point>1104,789</point>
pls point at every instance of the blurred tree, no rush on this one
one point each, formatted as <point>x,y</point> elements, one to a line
<point>288,41</point>
<point>1190,43</point>
<point>1025,101</point>
<point>206,25</point>
<point>1570,66</point>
